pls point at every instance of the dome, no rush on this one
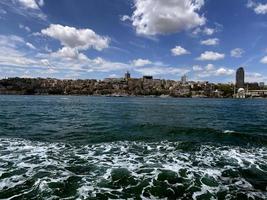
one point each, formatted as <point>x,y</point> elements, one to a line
<point>240,90</point>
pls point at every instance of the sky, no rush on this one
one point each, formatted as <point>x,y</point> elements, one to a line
<point>95,39</point>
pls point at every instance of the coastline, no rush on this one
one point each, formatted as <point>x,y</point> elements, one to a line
<point>114,87</point>
<point>124,87</point>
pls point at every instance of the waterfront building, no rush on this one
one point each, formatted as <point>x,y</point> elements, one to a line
<point>252,86</point>
<point>240,78</point>
<point>241,93</point>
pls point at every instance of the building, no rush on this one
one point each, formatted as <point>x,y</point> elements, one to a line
<point>184,79</point>
<point>241,93</point>
<point>240,78</point>
<point>147,77</point>
<point>127,75</point>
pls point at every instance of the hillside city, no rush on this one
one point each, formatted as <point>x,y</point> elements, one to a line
<point>128,86</point>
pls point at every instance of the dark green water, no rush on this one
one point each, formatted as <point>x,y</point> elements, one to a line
<point>63,147</point>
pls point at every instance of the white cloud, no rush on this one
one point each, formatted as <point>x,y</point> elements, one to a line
<point>32,4</point>
<point>210,55</point>
<point>224,72</point>
<point>211,71</point>
<point>255,77</point>
<point>25,8</point>
<point>237,53</point>
<point>264,60</point>
<point>30,45</point>
<point>210,42</point>
<point>209,31</point>
<point>21,26</point>
<point>141,62</point>
<point>197,68</point>
<point>40,2</point>
<point>261,9</point>
<point>258,8</point>
<point>10,40</point>
<point>125,18</point>
<point>9,53</point>
<point>14,42</point>
<point>178,51</point>
<point>69,53</point>
<point>65,60</point>
<point>154,71</point>
<point>197,31</point>
<point>209,67</point>
<point>77,38</point>
<point>152,17</point>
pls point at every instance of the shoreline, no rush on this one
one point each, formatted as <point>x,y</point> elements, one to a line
<point>124,87</point>
<point>130,96</point>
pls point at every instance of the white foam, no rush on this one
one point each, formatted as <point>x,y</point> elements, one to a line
<point>55,158</point>
<point>228,131</point>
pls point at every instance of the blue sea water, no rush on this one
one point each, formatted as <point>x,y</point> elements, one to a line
<point>80,147</point>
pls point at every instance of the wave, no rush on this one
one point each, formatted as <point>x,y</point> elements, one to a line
<point>152,132</point>
<point>228,131</point>
<point>146,133</point>
<point>121,170</point>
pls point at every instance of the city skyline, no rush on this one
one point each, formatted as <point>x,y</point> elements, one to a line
<point>205,40</point>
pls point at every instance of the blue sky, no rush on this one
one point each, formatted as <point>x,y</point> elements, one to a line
<point>205,39</point>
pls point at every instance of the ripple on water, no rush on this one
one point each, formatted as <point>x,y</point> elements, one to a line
<point>122,170</point>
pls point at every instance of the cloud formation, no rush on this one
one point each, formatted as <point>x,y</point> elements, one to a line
<point>152,17</point>
<point>210,71</point>
<point>26,28</point>
<point>81,39</point>
<point>209,31</point>
<point>31,4</point>
<point>210,42</point>
<point>237,53</point>
<point>18,56</point>
<point>210,55</point>
<point>264,60</point>
<point>25,8</point>
<point>141,62</point>
<point>178,51</point>
<point>258,8</point>
<point>158,70</point>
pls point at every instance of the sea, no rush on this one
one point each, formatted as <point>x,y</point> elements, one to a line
<point>84,147</point>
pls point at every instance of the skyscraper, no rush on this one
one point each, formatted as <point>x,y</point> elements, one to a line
<point>240,78</point>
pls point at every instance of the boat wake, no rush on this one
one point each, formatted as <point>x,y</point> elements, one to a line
<point>121,170</point>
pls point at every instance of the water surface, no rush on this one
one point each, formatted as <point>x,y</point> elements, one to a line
<point>76,147</point>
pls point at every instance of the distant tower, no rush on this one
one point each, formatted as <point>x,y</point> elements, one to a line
<point>184,79</point>
<point>240,78</point>
<point>127,75</point>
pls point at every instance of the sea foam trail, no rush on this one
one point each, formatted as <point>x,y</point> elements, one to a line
<point>121,170</point>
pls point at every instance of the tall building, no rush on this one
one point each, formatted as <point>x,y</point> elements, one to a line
<point>240,78</point>
<point>127,75</point>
